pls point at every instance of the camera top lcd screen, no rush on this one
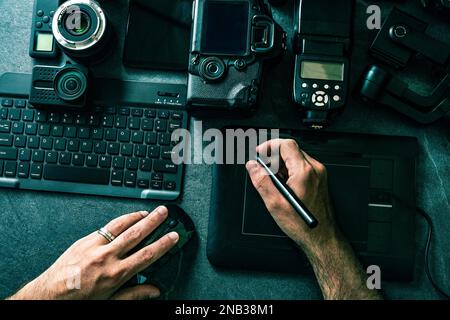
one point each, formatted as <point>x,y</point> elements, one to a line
<point>322,70</point>
<point>225,28</point>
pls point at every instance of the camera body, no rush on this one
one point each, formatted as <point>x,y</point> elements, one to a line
<point>438,5</point>
<point>59,86</point>
<point>231,40</point>
<point>81,31</point>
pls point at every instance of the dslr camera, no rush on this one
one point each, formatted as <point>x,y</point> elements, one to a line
<point>231,40</point>
<point>67,37</point>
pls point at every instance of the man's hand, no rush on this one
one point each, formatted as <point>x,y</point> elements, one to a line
<point>337,269</point>
<point>93,268</point>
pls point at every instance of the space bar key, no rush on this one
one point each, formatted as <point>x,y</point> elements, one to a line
<point>77,174</point>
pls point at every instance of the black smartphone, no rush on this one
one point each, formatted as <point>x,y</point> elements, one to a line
<point>158,34</point>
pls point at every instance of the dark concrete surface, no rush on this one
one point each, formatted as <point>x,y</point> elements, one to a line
<point>36,227</point>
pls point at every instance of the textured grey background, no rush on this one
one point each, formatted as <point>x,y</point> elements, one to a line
<point>35,227</point>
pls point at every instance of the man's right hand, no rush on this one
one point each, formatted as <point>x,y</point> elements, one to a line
<point>308,179</point>
<point>337,269</point>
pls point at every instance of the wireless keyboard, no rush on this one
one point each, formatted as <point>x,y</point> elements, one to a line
<point>111,151</point>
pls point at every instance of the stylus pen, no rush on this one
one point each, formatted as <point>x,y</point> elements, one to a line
<point>290,196</point>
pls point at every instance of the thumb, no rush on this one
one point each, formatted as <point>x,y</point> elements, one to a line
<point>261,181</point>
<point>142,292</point>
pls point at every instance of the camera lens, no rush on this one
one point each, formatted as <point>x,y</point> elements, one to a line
<point>70,84</point>
<point>81,30</point>
<point>212,69</point>
<point>77,22</point>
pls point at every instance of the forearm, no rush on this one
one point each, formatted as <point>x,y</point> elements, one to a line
<point>339,272</point>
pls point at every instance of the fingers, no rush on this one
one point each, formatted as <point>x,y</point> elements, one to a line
<point>139,231</point>
<point>119,225</point>
<point>145,257</point>
<point>289,152</point>
<point>264,185</point>
<point>142,292</point>
<point>319,168</point>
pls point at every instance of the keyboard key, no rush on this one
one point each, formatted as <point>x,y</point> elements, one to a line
<point>151,138</point>
<point>134,123</point>
<point>161,125</point>
<point>7,103</point>
<point>164,139</point>
<point>77,174</point>
<point>84,133</point>
<point>36,171</point>
<point>121,122</point>
<point>107,121</point>
<point>119,162</point>
<point>25,155</point>
<point>100,147</point>
<point>1,167</point>
<point>67,118</point>
<point>111,110</point>
<point>97,134</point>
<point>137,112</point>
<point>33,142</point>
<point>5,126</point>
<point>60,144</point>
<point>137,137</point>
<point>20,104</point>
<point>6,140</point>
<point>111,135</point>
<point>23,170</point>
<point>116,178</point>
<point>80,119</point>
<point>93,120</point>
<point>51,157</point>
<point>150,113</point>
<point>104,161</point>
<point>57,131</point>
<point>124,111</point>
<point>14,114</point>
<point>65,157</point>
<point>145,165</point>
<point>73,145</point>
<point>8,153</point>
<point>170,185</point>
<point>177,115</point>
<point>31,129</point>
<point>86,146</point>
<point>130,179</point>
<point>38,156</point>
<point>126,149</point>
<point>78,159</point>
<point>132,164</point>
<point>18,127</point>
<point>44,130</point>
<point>174,125</point>
<point>113,148</point>
<point>91,160</point>
<point>124,136</point>
<point>147,124</point>
<point>27,115</point>
<point>166,153</point>
<point>53,117</point>
<point>143,183</point>
<point>4,113</point>
<point>156,185</point>
<point>153,152</point>
<point>20,141</point>
<point>47,143</point>
<point>162,114</point>
<point>41,116</point>
<point>10,169</point>
<point>164,166</point>
<point>140,151</point>
<point>157,176</point>
<point>70,132</point>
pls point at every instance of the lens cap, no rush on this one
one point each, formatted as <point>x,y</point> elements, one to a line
<point>70,84</point>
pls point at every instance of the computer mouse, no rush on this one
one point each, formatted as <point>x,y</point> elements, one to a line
<point>177,221</point>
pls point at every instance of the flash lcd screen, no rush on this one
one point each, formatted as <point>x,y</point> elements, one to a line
<point>322,70</point>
